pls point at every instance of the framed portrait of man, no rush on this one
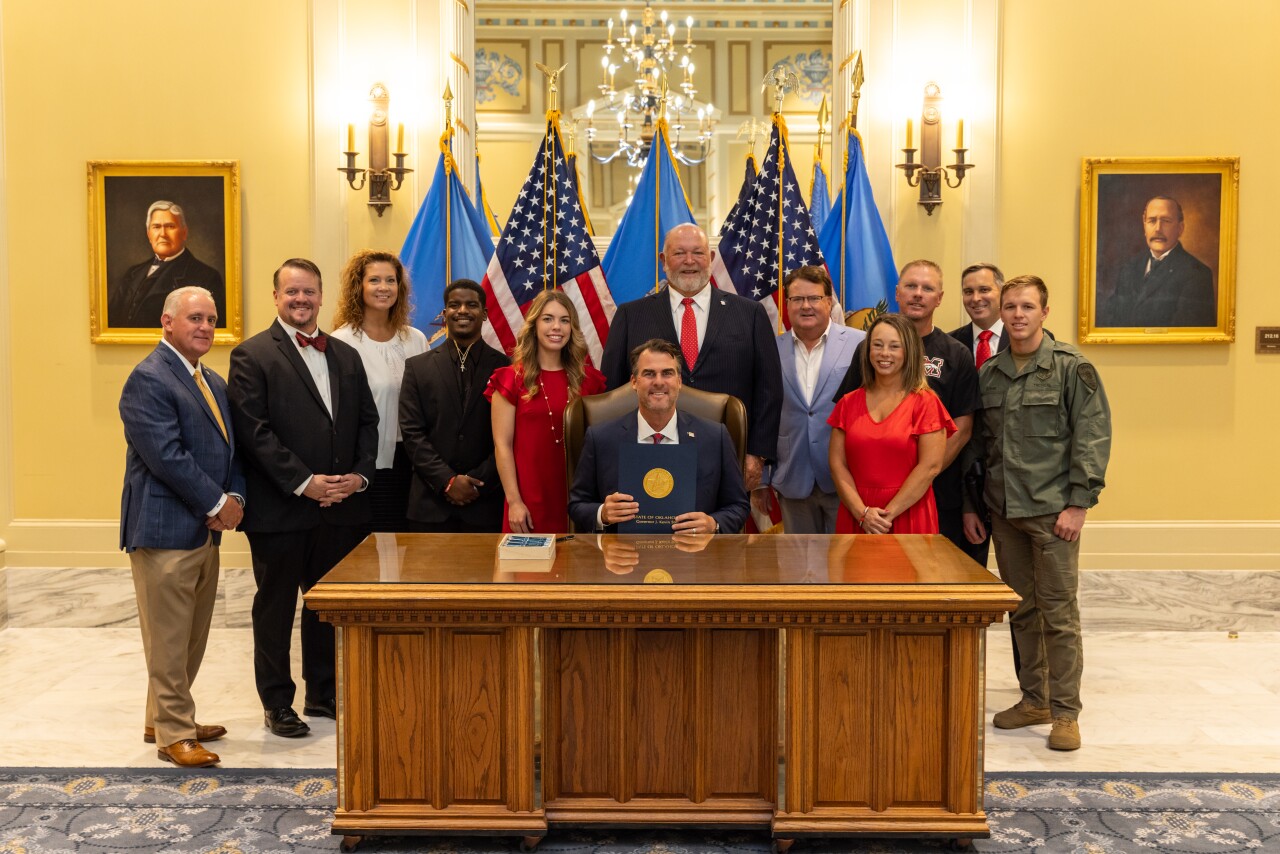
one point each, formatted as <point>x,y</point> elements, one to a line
<point>1158,250</point>
<point>154,227</point>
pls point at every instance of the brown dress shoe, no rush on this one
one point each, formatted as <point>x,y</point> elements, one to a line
<point>188,754</point>
<point>204,732</point>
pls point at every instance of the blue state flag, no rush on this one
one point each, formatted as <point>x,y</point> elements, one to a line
<point>449,239</point>
<point>819,197</point>
<point>659,204</point>
<point>854,241</point>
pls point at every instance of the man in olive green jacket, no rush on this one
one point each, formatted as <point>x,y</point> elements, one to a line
<point>1044,435</point>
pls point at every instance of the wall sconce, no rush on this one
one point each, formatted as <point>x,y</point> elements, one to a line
<point>381,179</point>
<point>929,173</point>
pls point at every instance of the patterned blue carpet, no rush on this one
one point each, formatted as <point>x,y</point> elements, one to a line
<point>111,811</point>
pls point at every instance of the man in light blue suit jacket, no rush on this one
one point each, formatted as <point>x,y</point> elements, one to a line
<point>815,356</point>
<point>182,488</point>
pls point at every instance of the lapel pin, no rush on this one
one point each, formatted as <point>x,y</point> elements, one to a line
<point>690,435</point>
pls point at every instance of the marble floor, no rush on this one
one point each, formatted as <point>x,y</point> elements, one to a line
<point>1176,701</point>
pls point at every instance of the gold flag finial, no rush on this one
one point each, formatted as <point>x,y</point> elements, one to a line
<point>751,129</point>
<point>856,79</point>
<point>553,90</point>
<point>448,105</point>
<point>824,115</point>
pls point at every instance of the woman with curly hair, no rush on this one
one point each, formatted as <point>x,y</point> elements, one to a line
<point>373,317</point>
<point>548,371</point>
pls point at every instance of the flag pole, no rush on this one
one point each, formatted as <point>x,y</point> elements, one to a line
<point>783,81</point>
<point>549,173</point>
<point>447,150</point>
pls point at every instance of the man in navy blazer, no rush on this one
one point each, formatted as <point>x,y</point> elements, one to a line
<point>308,427</point>
<point>815,356</point>
<point>182,488</point>
<point>726,340</point>
<point>721,503</point>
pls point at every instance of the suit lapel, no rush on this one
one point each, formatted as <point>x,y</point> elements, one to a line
<point>331,359</point>
<point>662,313</point>
<point>294,358</point>
<point>838,343</point>
<point>717,312</point>
<point>787,352</point>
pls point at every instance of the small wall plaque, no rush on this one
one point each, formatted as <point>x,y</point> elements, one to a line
<point>1268,340</point>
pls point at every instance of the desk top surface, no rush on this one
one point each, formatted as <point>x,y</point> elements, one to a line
<point>722,560</point>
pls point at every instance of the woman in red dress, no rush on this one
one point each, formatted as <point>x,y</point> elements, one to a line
<point>888,437</point>
<point>548,370</point>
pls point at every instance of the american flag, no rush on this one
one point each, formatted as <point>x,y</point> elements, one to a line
<point>545,245</point>
<point>772,220</point>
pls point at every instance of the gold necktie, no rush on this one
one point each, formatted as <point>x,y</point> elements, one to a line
<point>213,404</point>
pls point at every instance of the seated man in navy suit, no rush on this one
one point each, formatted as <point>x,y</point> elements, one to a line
<point>721,504</point>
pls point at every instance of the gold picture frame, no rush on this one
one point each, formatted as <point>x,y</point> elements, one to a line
<point>122,261</point>
<point>1183,209</point>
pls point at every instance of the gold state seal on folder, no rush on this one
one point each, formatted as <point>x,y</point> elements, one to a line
<point>658,483</point>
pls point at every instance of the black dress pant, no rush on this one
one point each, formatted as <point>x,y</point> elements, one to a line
<point>285,563</point>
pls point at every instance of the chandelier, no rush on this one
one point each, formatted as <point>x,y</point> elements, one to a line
<point>649,53</point>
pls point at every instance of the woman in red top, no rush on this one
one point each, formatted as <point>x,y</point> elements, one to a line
<point>888,437</point>
<point>548,370</point>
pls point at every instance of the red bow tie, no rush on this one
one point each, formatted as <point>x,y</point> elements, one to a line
<point>320,341</point>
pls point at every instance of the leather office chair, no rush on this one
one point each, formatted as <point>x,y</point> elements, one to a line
<point>582,413</point>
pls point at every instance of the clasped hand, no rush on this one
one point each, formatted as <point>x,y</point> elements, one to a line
<point>876,521</point>
<point>331,489</point>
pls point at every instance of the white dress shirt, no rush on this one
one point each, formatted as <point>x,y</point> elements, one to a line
<point>701,305</point>
<point>384,366</point>
<point>315,362</point>
<point>809,362</point>
<point>997,332</point>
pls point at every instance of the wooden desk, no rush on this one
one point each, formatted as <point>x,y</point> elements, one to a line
<point>660,701</point>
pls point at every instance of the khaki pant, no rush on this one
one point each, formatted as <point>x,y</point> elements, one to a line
<point>1045,571</point>
<point>176,589</point>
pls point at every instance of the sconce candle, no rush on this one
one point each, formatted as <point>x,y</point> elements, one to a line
<point>351,137</point>
<point>960,134</point>
<point>908,133</point>
<point>400,139</point>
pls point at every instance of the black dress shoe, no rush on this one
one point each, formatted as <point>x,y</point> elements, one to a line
<point>321,709</point>
<point>285,723</point>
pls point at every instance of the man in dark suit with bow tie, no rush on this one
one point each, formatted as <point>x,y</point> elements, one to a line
<point>139,297</point>
<point>1166,285</point>
<point>444,422</point>
<point>720,502</point>
<point>726,340</point>
<point>183,487</point>
<point>308,428</point>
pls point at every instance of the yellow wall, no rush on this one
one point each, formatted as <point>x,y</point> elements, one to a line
<point>82,86</point>
<point>1194,424</point>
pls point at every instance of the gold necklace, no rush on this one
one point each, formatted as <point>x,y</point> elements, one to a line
<point>550,415</point>
<point>462,355</point>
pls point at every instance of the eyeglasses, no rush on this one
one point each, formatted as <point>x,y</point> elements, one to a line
<point>799,301</point>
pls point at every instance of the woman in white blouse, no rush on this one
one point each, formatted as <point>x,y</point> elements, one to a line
<point>373,317</point>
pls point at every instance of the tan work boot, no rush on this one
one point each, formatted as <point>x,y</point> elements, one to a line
<point>1023,714</point>
<point>1065,734</point>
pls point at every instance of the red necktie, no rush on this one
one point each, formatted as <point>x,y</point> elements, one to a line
<point>657,438</point>
<point>984,346</point>
<point>689,334</point>
<point>320,341</point>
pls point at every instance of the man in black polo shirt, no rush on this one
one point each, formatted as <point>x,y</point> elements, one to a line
<point>950,371</point>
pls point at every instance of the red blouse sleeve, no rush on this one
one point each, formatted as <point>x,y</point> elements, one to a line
<point>930,415</point>
<point>840,415</point>
<point>506,382</point>
<point>593,382</point>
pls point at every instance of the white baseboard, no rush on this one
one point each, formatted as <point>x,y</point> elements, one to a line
<point>1144,545</point>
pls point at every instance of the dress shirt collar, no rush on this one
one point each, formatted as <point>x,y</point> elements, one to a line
<point>186,363</point>
<point>293,332</point>
<point>997,330</point>
<point>822,339</point>
<point>644,433</point>
<point>1155,257</point>
<point>701,300</point>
